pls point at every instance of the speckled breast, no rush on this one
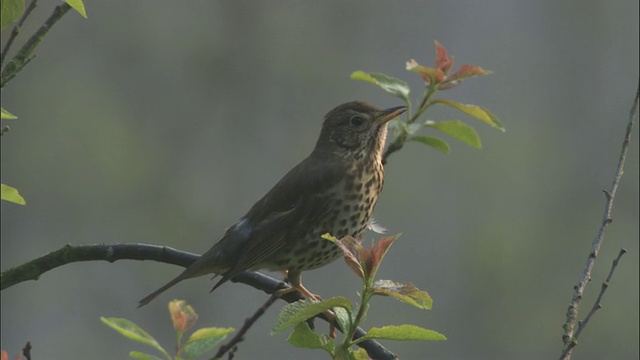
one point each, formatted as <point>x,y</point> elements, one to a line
<point>353,202</point>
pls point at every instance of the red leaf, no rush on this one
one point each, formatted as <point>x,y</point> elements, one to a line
<point>428,74</point>
<point>352,252</point>
<point>466,71</point>
<point>443,62</point>
<point>183,316</point>
<point>378,251</point>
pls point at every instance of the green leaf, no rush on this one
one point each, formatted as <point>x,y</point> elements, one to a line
<point>477,112</point>
<point>203,340</point>
<point>403,332</point>
<point>343,318</point>
<point>132,331</point>
<point>142,356</point>
<point>303,337</point>
<point>458,130</point>
<point>412,128</point>
<point>301,310</point>
<point>342,352</point>
<point>11,194</point>
<point>5,115</point>
<point>78,6</point>
<point>406,293</point>
<point>434,142</point>
<point>11,11</point>
<point>389,84</point>
<point>360,354</point>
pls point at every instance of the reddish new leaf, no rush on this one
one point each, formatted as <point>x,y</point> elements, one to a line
<point>466,71</point>
<point>443,62</point>
<point>428,74</point>
<point>183,316</point>
<point>351,252</point>
<point>449,84</point>
<point>378,252</point>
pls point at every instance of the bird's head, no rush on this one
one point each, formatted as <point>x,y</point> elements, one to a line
<point>356,129</point>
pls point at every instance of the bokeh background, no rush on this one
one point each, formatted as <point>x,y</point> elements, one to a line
<point>163,121</point>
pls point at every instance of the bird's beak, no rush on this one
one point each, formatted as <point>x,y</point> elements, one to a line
<point>390,113</point>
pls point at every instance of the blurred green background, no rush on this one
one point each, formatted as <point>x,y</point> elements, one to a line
<point>163,121</point>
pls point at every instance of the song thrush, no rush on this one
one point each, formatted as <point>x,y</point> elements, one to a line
<point>333,190</point>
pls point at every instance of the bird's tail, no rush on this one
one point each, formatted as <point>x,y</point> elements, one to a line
<point>162,289</point>
<point>206,264</point>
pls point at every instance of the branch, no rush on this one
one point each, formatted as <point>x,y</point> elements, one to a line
<point>570,336</point>
<point>33,269</point>
<point>597,305</point>
<point>16,30</point>
<point>23,56</point>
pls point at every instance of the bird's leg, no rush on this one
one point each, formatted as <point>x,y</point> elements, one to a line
<point>296,284</point>
<point>295,279</point>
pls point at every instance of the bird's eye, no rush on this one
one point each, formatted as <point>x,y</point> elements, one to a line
<point>356,120</point>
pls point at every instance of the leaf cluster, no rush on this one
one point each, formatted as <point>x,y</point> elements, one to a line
<point>348,316</point>
<point>15,11</point>
<point>438,78</point>
<point>183,317</point>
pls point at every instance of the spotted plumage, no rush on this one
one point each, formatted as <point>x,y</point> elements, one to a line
<point>334,190</point>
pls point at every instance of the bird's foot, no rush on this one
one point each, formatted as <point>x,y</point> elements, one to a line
<point>296,285</point>
<point>301,289</point>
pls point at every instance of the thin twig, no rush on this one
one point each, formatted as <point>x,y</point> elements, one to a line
<point>24,55</point>
<point>243,330</point>
<point>16,30</point>
<point>598,303</point>
<point>569,337</point>
<point>26,351</point>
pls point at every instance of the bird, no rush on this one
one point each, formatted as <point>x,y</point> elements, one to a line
<point>333,190</point>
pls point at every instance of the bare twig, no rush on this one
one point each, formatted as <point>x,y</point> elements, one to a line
<point>24,55</point>
<point>16,30</point>
<point>570,335</point>
<point>26,351</point>
<point>243,330</point>
<point>33,269</point>
<point>597,305</point>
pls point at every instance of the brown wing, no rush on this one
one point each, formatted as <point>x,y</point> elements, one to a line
<point>296,203</point>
